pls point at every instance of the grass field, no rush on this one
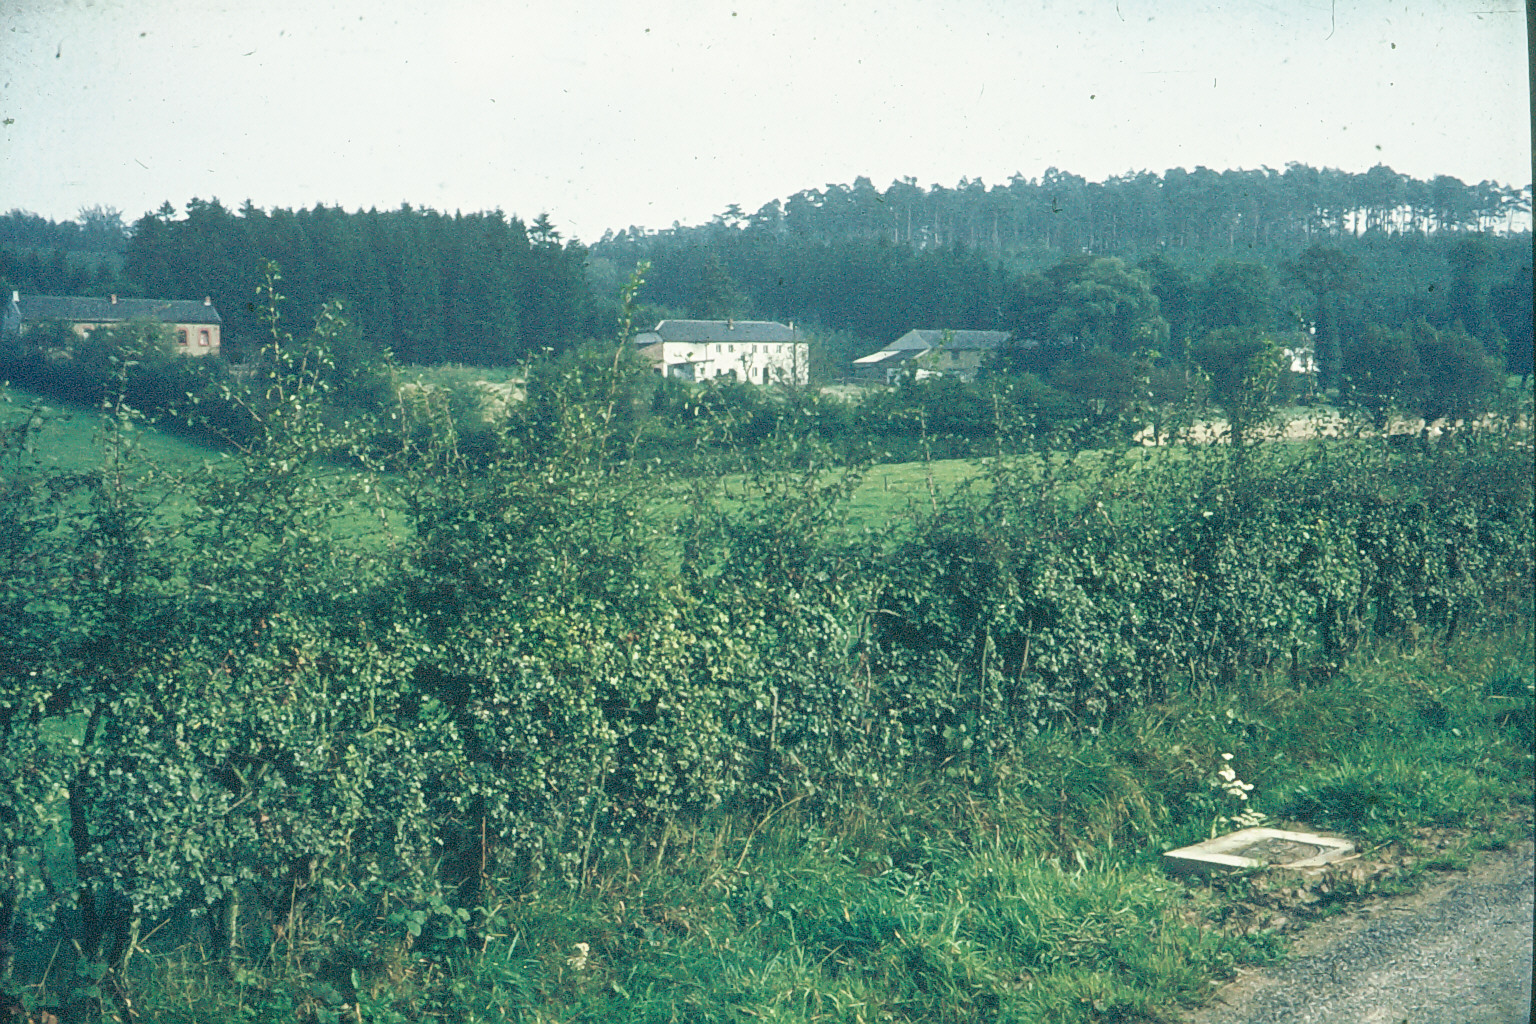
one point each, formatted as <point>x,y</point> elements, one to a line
<point>71,439</point>
<point>889,496</point>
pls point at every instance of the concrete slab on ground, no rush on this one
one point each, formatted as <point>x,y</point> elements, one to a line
<point>1258,848</point>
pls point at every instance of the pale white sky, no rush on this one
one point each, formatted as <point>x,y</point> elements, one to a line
<point>606,114</point>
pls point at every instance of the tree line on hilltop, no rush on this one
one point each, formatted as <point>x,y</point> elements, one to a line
<point>1059,210</point>
<point>1138,262</point>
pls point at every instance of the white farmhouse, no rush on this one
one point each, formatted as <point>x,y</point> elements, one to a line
<point>755,351</point>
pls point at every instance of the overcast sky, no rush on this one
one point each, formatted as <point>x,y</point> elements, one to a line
<point>607,114</point>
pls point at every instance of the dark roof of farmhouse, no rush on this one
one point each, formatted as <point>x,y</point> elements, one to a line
<point>83,309</point>
<point>921,339</point>
<point>721,331</point>
<point>916,342</point>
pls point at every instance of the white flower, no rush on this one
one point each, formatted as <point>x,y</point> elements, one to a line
<point>579,961</point>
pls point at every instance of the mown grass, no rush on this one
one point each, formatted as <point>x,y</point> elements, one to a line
<point>71,439</point>
<point>1028,891</point>
<point>458,375</point>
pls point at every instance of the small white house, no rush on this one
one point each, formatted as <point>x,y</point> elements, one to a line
<point>754,351</point>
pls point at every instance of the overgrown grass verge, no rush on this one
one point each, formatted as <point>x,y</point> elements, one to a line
<point>1028,891</point>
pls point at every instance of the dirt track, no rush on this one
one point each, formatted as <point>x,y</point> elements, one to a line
<point>1306,425</point>
<point>1458,952</point>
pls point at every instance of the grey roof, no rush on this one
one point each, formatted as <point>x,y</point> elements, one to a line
<point>885,354</point>
<point>957,339</point>
<point>916,342</point>
<point>709,331</point>
<point>91,310</point>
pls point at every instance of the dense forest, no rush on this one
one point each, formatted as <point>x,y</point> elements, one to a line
<point>430,288</point>
<point>1302,249</point>
<point>1256,209</point>
<point>855,265</point>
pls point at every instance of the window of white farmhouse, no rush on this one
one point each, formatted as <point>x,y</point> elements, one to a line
<point>181,337</point>
<point>202,338</point>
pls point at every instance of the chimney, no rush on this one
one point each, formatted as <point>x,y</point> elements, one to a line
<point>207,300</point>
<point>114,298</point>
<point>730,323</point>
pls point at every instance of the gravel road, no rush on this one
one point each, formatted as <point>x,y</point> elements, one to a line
<point>1458,952</point>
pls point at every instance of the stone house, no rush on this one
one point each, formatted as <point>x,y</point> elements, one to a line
<point>194,325</point>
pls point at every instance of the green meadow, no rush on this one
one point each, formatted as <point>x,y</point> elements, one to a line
<point>70,439</point>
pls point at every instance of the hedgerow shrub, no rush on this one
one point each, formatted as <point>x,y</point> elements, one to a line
<point>1076,588</point>
<point>322,757</point>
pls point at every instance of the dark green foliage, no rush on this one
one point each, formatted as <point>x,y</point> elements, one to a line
<point>1429,373</point>
<point>1259,250</point>
<point>1379,374</point>
<point>1100,302</point>
<point>1474,264</point>
<point>1070,595</point>
<point>40,256</point>
<point>1512,306</point>
<point>1175,292</point>
<point>1237,295</point>
<point>137,363</point>
<point>868,288</point>
<point>1326,271</point>
<point>57,272</point>
<point>718,297</point>
<point>1461,378</point>
<point>422,286</point>
<point>98,229</point>
<point>1242,369</point>
<point>1249,210</point>
<point>1103,381</point>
